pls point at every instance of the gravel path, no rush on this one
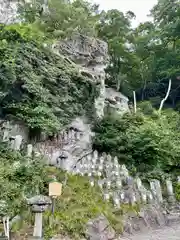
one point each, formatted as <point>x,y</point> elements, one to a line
<point>166,233</point>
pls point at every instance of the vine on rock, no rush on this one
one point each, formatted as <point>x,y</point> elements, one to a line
<point>39,87</point>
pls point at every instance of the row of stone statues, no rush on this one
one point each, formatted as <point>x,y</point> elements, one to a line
<point>117,184</point>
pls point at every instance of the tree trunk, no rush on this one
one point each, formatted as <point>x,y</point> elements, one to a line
<point>166,97</point>
<point>134,95</point>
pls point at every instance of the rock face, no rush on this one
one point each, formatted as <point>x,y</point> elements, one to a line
<point>69,146</point>
<point>8,11</point>
<point>91,55</point>
<point>116,101</point>
<point>100,229</point>
<point>150,217</point>
<point>12,129</point>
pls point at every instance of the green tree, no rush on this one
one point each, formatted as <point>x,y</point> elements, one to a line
<point>145,142</point>
<point>60,18</point>
<point>115,28</point>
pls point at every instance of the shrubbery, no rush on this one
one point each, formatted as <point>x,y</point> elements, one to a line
<point>18,179</point>
<point>146,142</point>
<point>37,86</point>
<point>78,203</point>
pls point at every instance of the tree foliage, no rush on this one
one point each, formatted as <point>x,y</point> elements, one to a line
<point>145,141</point>
<point>141,59</point>
<point>60,18</point>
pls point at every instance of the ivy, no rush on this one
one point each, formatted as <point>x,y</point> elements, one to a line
<point>40,87</point>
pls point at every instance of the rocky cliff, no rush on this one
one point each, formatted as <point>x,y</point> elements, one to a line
<point>79,75</point>
<point>89,56</point>
<point>8,11</point>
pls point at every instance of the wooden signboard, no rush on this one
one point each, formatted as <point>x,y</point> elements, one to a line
<point>55,189</point>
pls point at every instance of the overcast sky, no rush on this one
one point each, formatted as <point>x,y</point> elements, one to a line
<point>140,7</point>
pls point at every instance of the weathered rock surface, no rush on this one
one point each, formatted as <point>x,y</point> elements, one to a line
<point>116,101</point>
<point>150,217</point>
<point>8,11</point>
<point>91,55</point>
<point>100,229</point>
<point>74,151</point>
<point>74,143</point>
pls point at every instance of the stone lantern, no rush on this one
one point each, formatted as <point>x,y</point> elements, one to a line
<point>38,205</point>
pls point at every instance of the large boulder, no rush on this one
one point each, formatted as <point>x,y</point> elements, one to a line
<point>116,101</point>
<point>100,229</point>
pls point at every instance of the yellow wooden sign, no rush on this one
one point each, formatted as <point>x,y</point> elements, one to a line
<point>55,189</point>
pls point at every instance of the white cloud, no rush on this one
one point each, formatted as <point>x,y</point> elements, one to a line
<point>141,8</point>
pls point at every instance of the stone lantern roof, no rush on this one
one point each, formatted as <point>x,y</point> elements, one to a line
<point>39,200</point>
<point>39,203</point>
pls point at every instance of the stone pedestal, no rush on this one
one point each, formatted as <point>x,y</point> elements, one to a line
<point>38,225</point>
<point>39,204</point>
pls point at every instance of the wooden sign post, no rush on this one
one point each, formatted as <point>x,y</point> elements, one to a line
<point>55,190</point>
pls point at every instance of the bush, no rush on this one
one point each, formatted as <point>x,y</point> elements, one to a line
<point>27,32</point>
<point>78,203</point>
<point>18,179</point>
<point>140,141</point>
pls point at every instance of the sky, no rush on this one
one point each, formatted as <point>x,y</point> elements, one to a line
<point>140,7</point>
